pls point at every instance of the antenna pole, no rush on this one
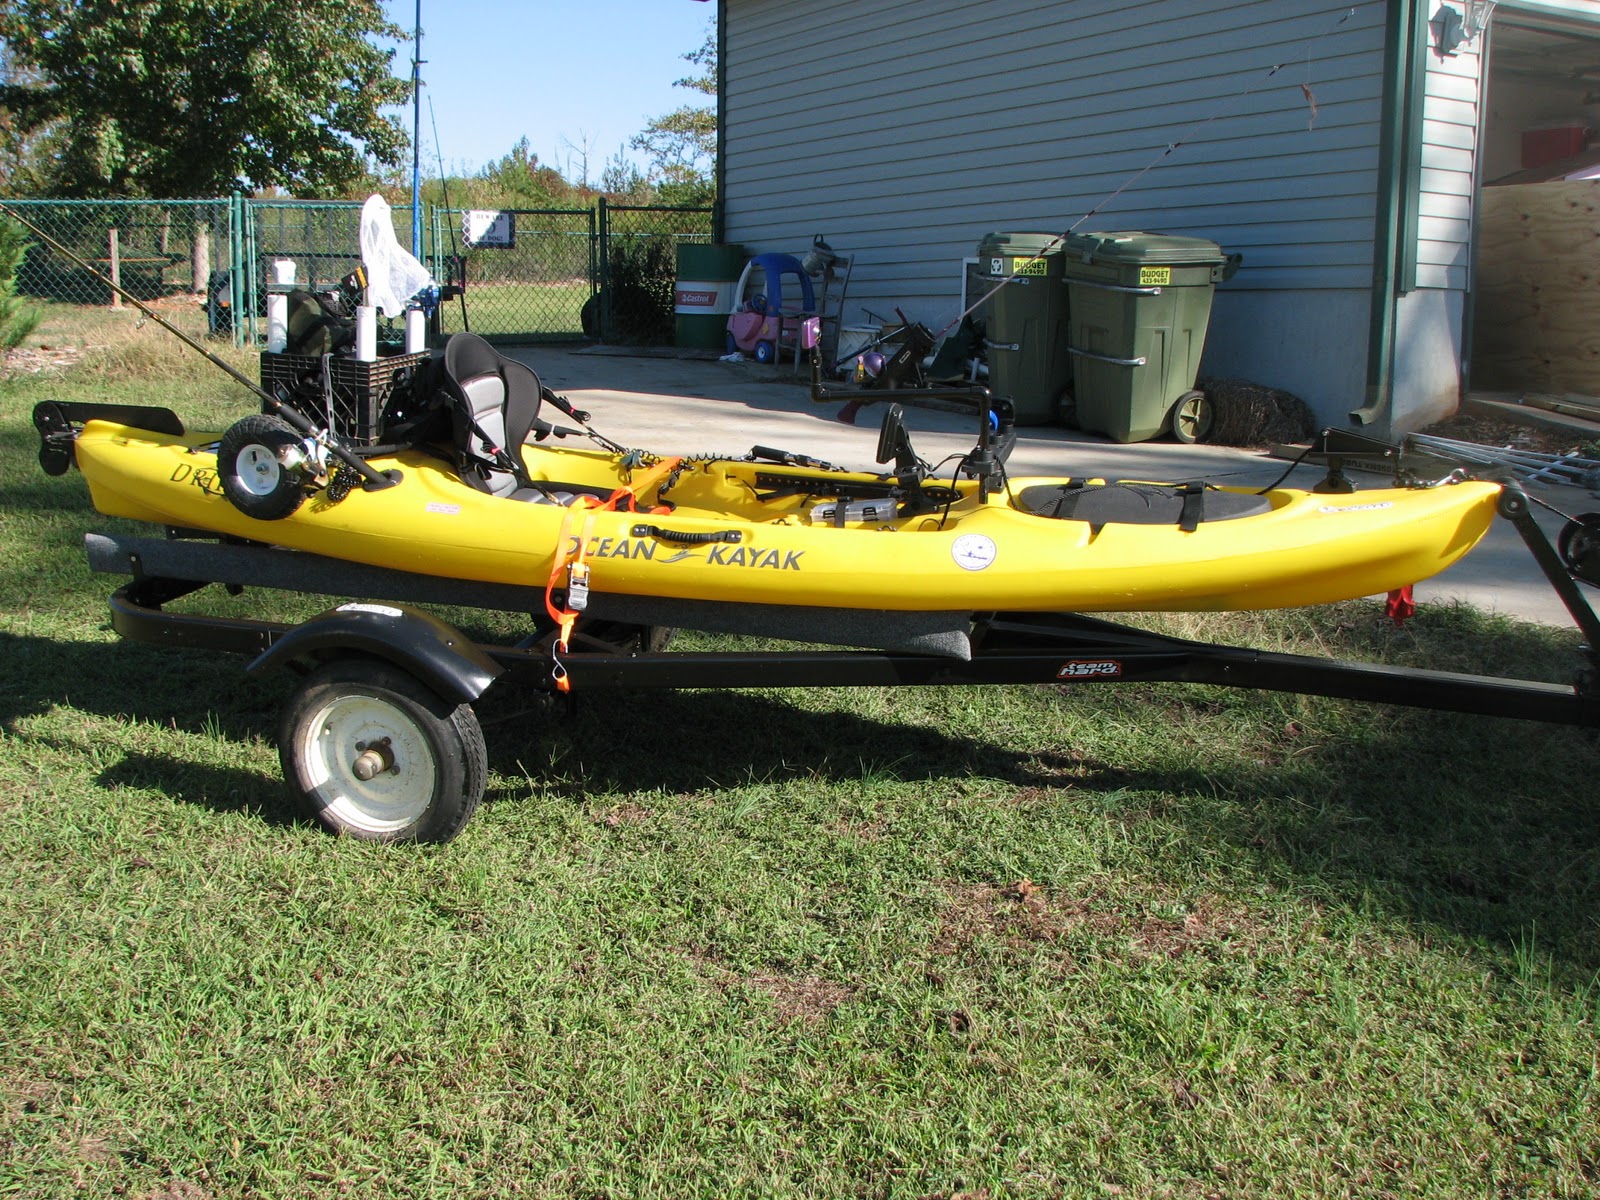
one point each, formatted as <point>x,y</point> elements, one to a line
<point>416,136</point>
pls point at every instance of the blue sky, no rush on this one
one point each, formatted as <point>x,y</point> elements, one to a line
<point>565,76</point>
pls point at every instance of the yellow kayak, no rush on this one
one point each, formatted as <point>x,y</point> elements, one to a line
<point>739,531</point>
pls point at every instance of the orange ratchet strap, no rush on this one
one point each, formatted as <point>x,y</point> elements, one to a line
<point>570,559</point>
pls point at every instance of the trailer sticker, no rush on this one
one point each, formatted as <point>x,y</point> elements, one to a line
<point>380,610</point>
<point>1090,668</point>
<point>1155,276</point>
<point>973,551</point>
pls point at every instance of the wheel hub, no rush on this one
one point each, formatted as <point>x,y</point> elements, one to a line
<point>368,761</point>
<point>373,760</point>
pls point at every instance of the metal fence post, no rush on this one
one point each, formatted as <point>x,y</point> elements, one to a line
<point>602,253</point>
<point>252,270</point>
<point>236,292</point>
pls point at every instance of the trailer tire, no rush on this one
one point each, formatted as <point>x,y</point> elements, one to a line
<point>257,469</point>
<point>423,757</point>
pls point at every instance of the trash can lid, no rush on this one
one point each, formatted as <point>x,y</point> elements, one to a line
<point>1021,245</point>
<point>1134,247</point>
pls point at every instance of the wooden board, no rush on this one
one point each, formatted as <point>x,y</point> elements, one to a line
<point>1537,322</point>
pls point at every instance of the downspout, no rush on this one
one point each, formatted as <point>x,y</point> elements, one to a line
<point>719,174</point>
<point>1400,25</point>
<point>1469,303</point>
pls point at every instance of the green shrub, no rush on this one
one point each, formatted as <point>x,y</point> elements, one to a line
<point>639,279</point>
<point>17,320</point>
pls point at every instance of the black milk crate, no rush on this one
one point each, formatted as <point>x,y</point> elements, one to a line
<point>359,392</point>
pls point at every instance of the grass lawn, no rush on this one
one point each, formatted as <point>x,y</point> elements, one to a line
<point>1134,941</point>
<point>550,311</point>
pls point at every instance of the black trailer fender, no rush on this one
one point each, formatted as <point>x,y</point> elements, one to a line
<point>437,653</point>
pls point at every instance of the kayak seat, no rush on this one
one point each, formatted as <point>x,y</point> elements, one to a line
<point>494,410</point>
<point>1185,505</point>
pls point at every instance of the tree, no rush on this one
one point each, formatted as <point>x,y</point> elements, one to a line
<point>521,179</point>
<point>682,145</point>
<point>198,97</point>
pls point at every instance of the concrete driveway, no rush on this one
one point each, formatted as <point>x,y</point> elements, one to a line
<point>682,405</point>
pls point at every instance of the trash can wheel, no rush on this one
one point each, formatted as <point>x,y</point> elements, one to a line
<point>1193,415</point>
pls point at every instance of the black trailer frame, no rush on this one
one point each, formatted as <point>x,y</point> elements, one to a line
<point>1005,647</point>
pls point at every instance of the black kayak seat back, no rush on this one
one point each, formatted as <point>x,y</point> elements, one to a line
<point>1183,505</point>
<point>495,409</point>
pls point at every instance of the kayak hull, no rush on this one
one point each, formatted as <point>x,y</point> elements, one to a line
<point>774,547</point>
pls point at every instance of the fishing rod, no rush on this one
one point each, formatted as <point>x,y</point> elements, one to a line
<point>183,337</point>
<point>278,407</point>
<point>444,190</point>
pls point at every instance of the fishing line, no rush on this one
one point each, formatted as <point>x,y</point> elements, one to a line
<point>1019,265</point>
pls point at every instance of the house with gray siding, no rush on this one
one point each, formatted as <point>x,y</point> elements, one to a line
<point>1338,148</point>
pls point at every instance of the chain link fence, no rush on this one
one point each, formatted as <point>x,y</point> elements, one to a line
<point>528,280</point>
<point>602,273</point>
<point>152,248</point>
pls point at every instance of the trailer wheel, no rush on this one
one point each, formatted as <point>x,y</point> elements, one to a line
<point>258,463</point>
<point>1193,415</point>
<point>374,753</point>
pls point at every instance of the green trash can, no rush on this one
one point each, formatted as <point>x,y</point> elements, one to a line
<point>702,294</point>
<point>1026,323</point>
<point>1141,304</point>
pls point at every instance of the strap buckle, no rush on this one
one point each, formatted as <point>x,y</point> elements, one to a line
<point>578,586</point>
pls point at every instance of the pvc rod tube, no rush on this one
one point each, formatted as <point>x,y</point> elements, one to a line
<point>366,333</point>
<point>277,322</point>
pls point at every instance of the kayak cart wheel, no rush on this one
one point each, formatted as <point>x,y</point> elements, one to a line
<point>259,464</point>
<point>1192,417</point>
<point>374,753</point>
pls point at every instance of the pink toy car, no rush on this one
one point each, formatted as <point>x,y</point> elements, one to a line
<point>760,325</point>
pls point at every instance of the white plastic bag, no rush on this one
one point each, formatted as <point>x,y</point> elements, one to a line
<point>394,275</point>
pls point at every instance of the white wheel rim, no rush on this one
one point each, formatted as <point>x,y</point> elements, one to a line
<point>258,469</point>
<point>338,734</point>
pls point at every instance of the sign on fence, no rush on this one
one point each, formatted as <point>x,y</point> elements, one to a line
<point>486,227</point>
